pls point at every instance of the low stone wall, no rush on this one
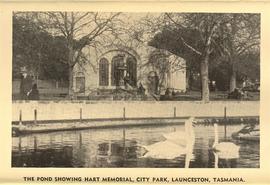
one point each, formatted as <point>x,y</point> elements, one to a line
<point>64,110</point>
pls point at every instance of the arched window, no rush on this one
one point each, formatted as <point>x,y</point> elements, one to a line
<point>116,74</point>
<point>132,70</point>
<point>103,72</point>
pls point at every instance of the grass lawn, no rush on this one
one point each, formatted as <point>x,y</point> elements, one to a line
<point>60,93</point>
<point>217,95</point>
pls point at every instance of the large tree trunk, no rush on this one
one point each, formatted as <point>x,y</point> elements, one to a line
<point>70,63</point>
<point>233,56</point>
<point>233,76</point>
<point>70,83</point>
<point>204,67</point>
<point>204,78</point>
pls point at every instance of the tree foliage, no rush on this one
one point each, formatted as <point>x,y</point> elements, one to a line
<point>169,40</point>
<point>80,29</point>
<point>42,54</point>
<point>208,40</point>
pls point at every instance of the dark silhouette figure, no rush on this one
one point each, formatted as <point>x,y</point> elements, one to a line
<point>236,94</point>
<point>141,89</point>
<point>34,93</point>
<point>153,80</point>
<point>127,81</point>
<point>25,86</point>
<point>169,95</point>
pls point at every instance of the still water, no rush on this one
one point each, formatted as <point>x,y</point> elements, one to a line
<point>124,147</point>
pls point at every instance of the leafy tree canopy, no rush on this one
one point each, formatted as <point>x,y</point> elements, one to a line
<point>41,53</point>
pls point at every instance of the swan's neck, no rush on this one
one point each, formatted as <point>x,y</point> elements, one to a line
<point>189,129</point>
<point>216,160</point>
<point>216,134</point>
<point>190,138</point>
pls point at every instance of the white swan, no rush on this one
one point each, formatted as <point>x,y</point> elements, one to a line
<point>183,138</point>
<point>175,145</point>
<point>225,150</point>
<point>164,150</point>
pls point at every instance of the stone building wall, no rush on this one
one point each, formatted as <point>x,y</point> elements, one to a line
<point>176,78</point>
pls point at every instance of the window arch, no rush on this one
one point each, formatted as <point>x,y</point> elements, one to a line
<point>103,72</point>
<point>132,70</point>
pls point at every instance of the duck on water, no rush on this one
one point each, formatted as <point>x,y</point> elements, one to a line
<point>249,132</point>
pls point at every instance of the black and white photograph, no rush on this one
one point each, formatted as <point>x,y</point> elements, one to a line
<point>135,90</point>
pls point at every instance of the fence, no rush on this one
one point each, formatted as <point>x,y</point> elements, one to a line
<point>67,110</point>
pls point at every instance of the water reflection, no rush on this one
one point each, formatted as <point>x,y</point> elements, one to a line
<point>123,148</point>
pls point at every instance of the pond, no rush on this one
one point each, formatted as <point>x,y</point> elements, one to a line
<point>128,147</point>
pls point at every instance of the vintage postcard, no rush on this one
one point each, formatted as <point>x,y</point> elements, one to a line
<point>165,92</point>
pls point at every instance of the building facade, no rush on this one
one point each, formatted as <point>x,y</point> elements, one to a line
<point>111,67</point>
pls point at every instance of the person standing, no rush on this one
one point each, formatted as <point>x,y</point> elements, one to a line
<point>25,85</point>
<point>141,89</point>
<point>127,81</point>
<point>34,93</point>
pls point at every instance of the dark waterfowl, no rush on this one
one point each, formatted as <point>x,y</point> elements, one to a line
<point>249,133</point>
